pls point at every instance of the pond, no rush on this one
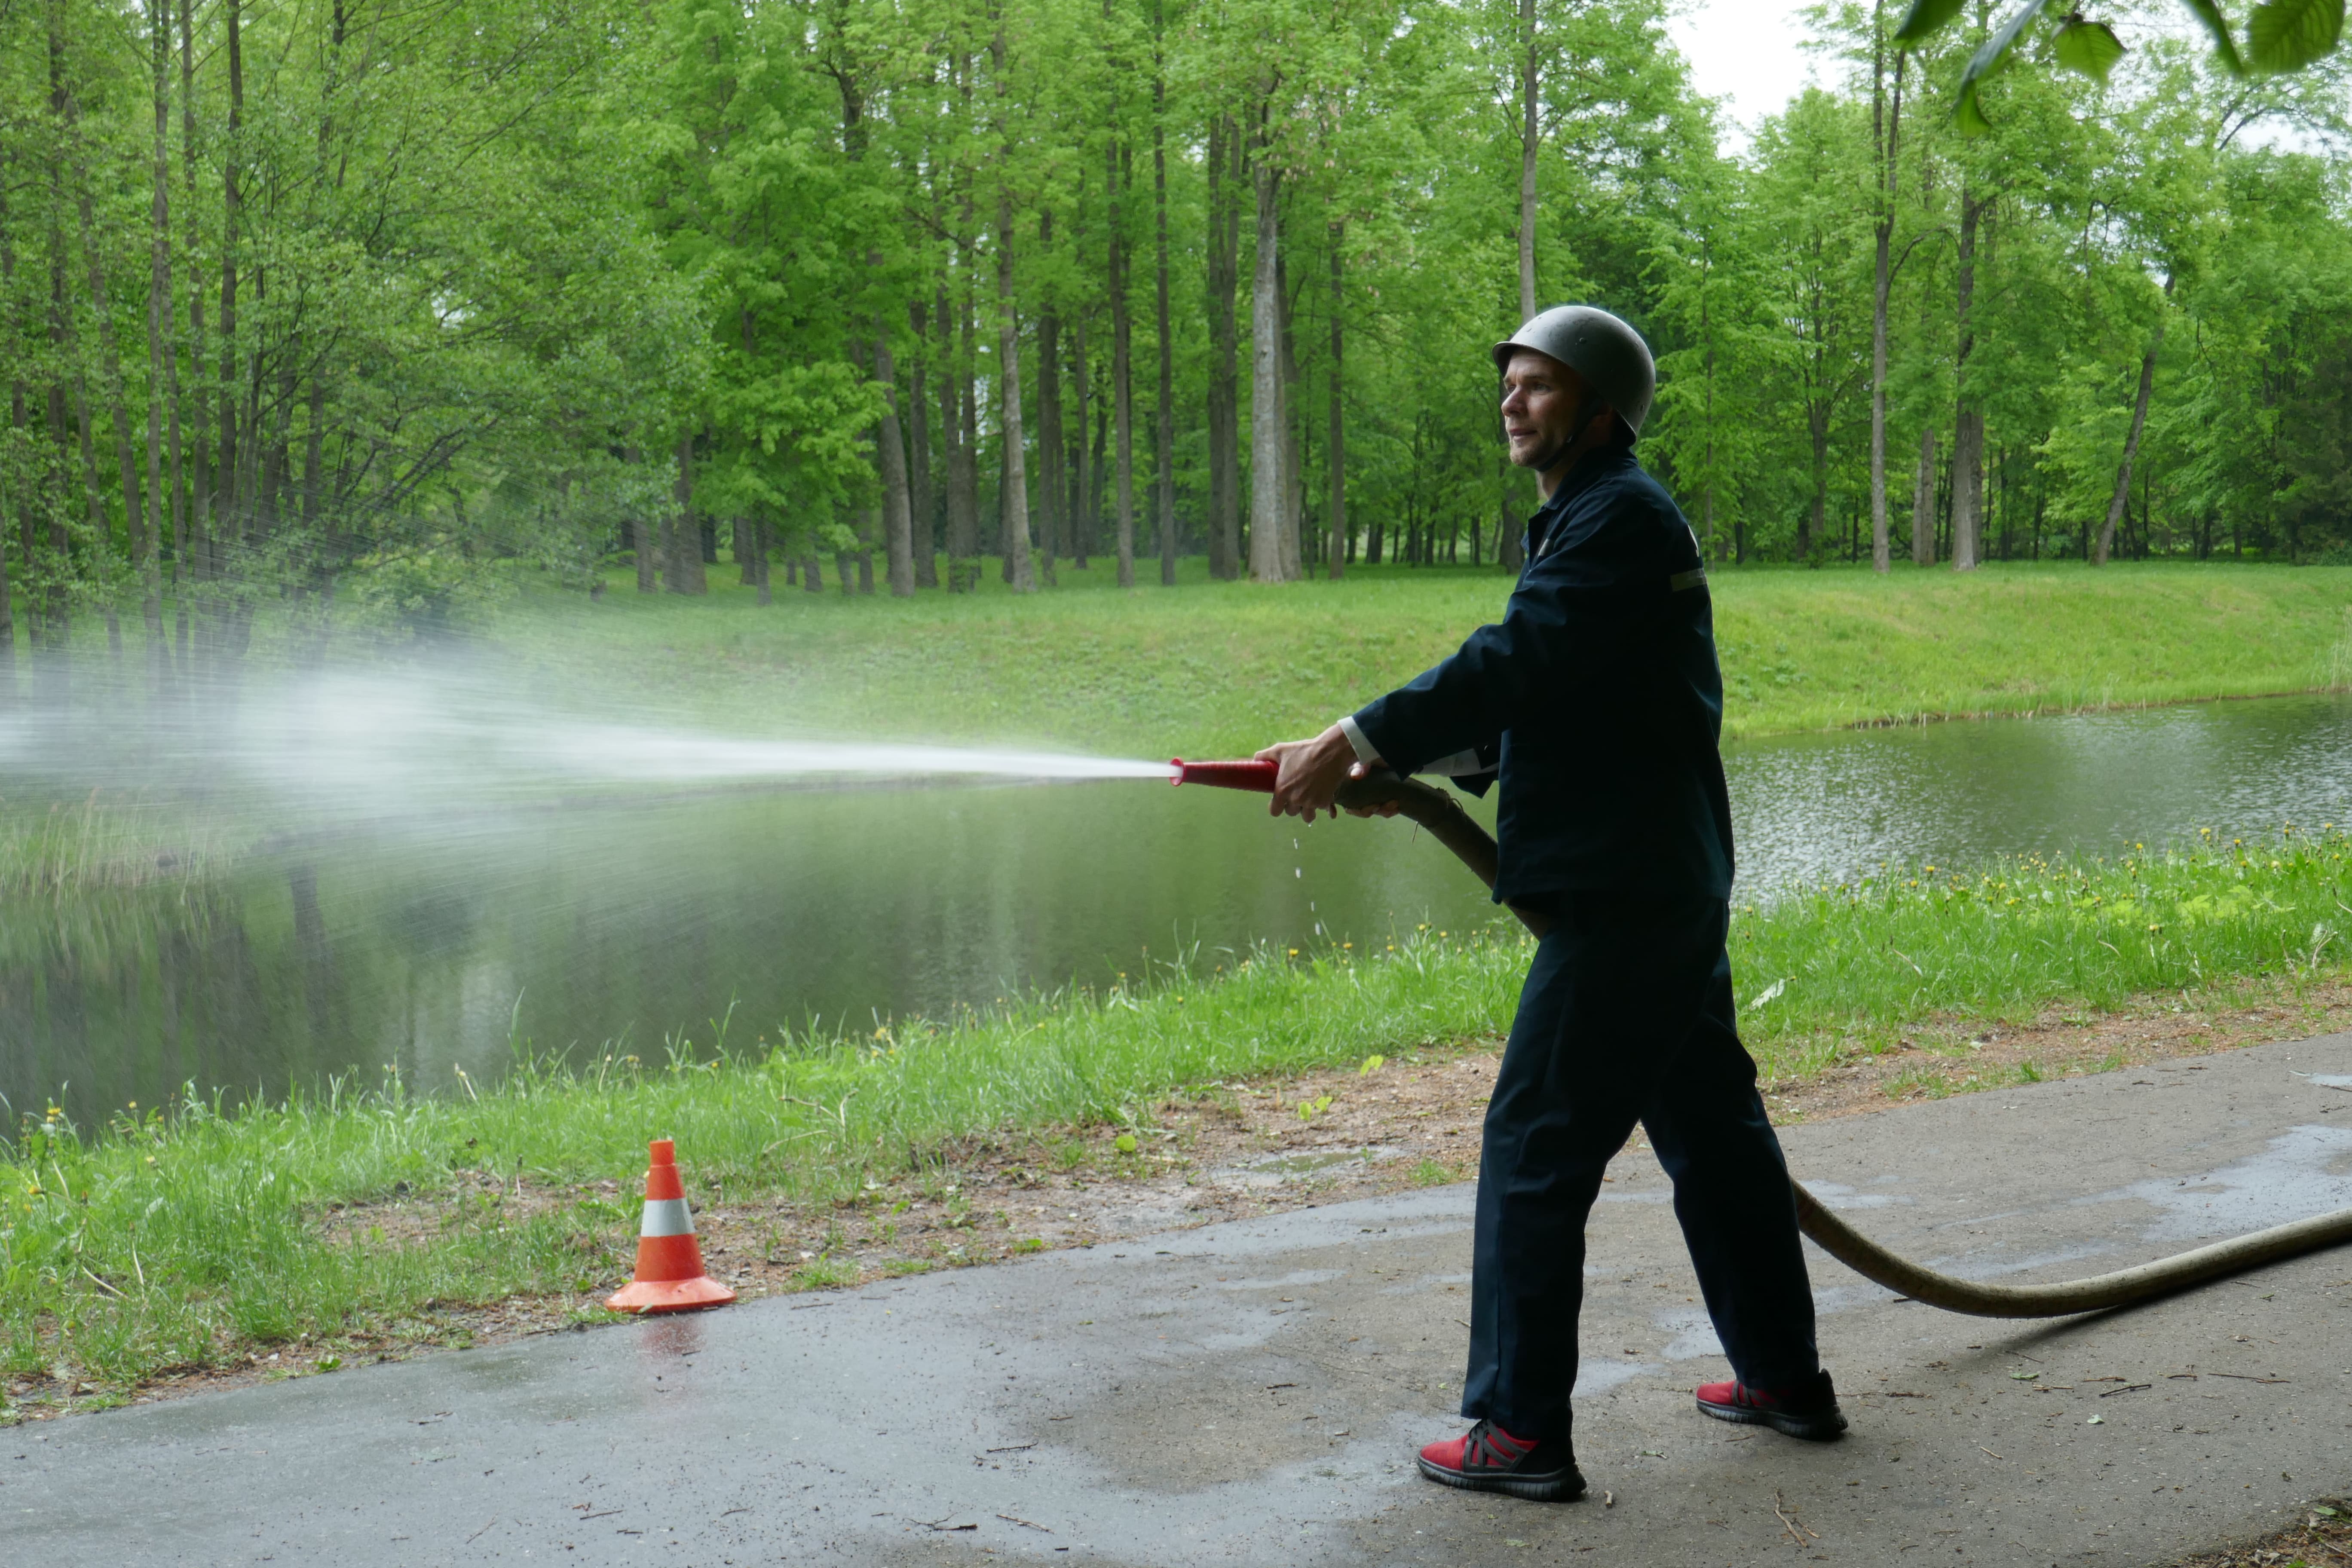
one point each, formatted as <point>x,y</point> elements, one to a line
<point>437,943</point>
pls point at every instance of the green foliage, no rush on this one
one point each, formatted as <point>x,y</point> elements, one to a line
<point>1990,55</point>
<point>1925,18</point>
<point>2089,48</point>
<point>2094,48</point>
<point>423,594</point>
<point>2002,940</point>
<point>513,298</point>
<point>2288,35</point>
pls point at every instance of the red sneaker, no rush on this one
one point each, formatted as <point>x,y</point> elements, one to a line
<point>1486,1458</point>
<point>1809,1411</point>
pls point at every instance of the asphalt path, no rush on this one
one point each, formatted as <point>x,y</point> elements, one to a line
<point>1252,1392</point>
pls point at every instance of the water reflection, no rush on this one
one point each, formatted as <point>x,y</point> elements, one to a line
<point>1824,805</point>
<point>435,947</point>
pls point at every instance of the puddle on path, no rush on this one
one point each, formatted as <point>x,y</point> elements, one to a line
<point>1279,1170</point>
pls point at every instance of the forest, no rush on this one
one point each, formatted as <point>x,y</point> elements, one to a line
<point>368,310</point>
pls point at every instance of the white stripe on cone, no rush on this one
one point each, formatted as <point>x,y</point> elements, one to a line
<point>666,1216</point>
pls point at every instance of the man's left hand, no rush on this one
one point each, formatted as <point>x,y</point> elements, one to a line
<point>1310,773</point>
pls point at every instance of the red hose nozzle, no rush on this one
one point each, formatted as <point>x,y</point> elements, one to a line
<point>1255,777</point>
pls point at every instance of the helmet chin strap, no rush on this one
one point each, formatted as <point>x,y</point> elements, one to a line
<point>1585,413</point>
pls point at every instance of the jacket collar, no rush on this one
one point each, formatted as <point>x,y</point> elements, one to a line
<point>1589,470</point>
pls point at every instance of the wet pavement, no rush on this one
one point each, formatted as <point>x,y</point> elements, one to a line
<point>1251,1392</point>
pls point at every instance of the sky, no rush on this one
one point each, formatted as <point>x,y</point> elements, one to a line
<point>1750,50</point>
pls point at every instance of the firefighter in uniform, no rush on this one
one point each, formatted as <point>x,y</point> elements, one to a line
<point>1595,705</point>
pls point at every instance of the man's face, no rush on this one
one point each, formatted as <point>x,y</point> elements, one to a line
<point>1541,401</point>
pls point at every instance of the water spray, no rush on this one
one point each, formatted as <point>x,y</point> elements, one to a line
<point>1442,815</point>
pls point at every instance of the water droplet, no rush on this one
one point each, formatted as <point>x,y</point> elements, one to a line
<point>1298,871</point>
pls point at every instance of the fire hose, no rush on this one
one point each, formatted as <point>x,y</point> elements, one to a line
<point>1440,814</point>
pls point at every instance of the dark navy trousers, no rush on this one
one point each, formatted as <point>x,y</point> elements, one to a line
<point>1627,1016</point>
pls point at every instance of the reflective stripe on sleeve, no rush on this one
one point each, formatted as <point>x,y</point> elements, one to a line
<point>1460,765</point>
<point>1694,578</point>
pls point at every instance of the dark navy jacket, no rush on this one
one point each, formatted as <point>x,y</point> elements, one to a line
<point>1598,693</point>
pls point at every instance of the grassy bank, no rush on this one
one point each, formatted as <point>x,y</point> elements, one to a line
<point>1225,666</point>
<point>178,1236</point>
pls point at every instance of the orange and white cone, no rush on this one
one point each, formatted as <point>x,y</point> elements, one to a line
<point>670,1276</point>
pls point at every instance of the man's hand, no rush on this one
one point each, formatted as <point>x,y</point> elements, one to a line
<point>1309,773</point>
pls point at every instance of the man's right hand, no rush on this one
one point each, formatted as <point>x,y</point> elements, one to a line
<point>1309,774</point>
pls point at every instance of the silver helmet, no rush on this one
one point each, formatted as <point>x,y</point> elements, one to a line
<point>1610,355</point>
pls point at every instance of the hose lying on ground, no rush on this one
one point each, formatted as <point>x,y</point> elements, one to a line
<point>1440,814</point>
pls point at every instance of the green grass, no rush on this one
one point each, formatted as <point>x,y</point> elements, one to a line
<point>1224,668</point>
<point>176,1236</point>
<point>94,845</point>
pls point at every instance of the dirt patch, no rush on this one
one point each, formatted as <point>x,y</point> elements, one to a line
<point>1949,1056</point>
<point>1218,1152</point>
<point>2324,1536</point>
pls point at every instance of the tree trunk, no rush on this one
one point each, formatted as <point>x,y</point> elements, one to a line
<point>1810,535</point>
<point>1504,525</point>
<point>1886,132</point>
<point>134,522</point>
<point>18,502</point>
<point>67,114</point>
<point>922,500</point>
<point>1968,428</point>
<point>53,623</point>
<point>68,406</point>
<point>1083,511</point>
<point>813,573</point>
<point>7,620</point>
<point>2131,439</point>
<point>1266,434</point>
<point>276,468</point>
<point>1294,478</point>
<point>898,526</point>
<point>1967,489</point>
<point>1710,547</point>
<point>1335,439</point>
<point>227,516</point>
<point>1052,487</point>
<point>644,535</point>
<point>1008,371</point>
<point>1122,371</point>
<point>1923,502</point>
<point>159,342</point>
<point>199,486</point>
<point>15,503</point>
<point>758,529</point>
<point>1530,143</point>
<point>685,539</point>
<point>963,494</point>
<point>1224,383</point>
<point>1164,416</point>
<point>1099,466</point>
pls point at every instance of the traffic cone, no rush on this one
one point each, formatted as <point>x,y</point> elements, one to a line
<point>670,1276</point>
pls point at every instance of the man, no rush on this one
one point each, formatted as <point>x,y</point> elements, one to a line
<point>1598,704</point>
